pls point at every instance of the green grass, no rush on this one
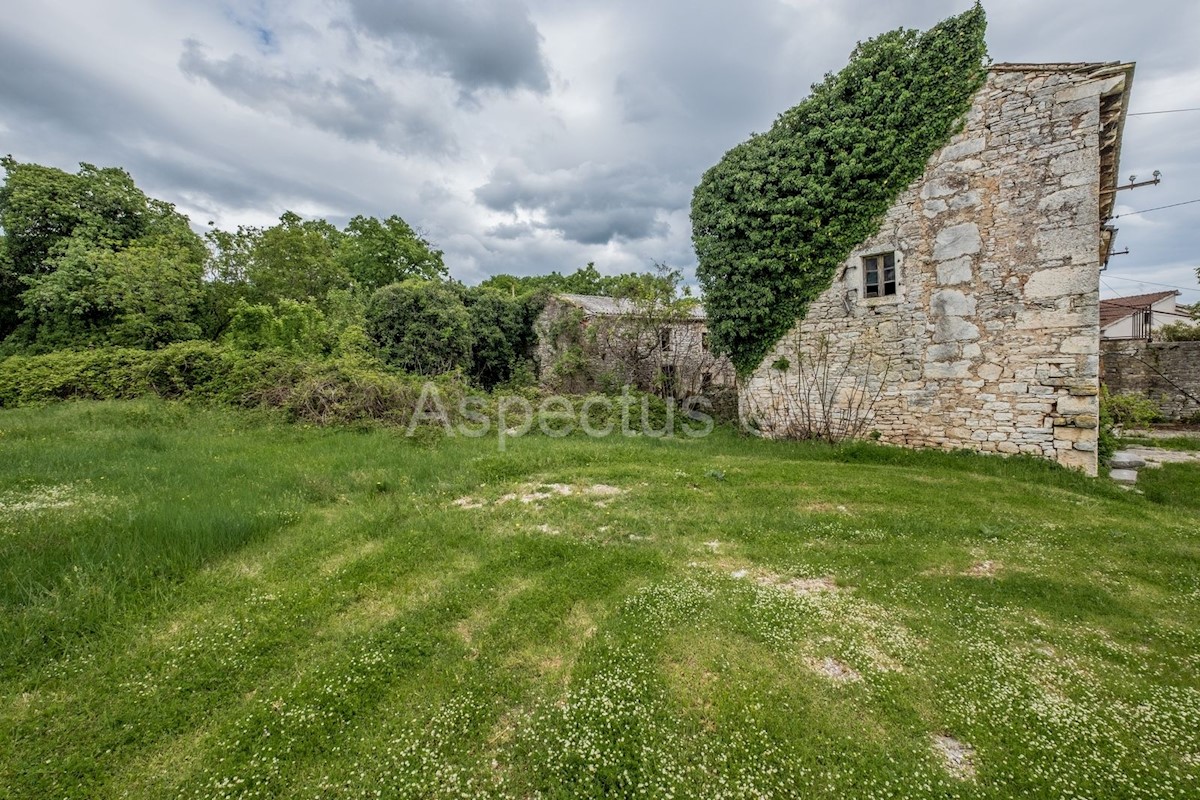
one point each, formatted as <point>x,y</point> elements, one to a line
<point>1190,443</point>
<point>200,604</point>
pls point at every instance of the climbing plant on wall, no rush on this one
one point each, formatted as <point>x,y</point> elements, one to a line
<point>775,218</point>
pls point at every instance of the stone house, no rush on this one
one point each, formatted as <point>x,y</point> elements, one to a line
<point>971,319</point>
<point>1139,316</point>
<point>588,342</point>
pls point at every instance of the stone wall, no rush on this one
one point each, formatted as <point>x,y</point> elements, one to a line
<point>579,352</point>
<point>992,340</point>
<point>1166,372</point>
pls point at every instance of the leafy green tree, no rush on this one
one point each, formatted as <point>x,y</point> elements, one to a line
<point>375,253</point>
<point>585,280</point>
<point>775,218</point>
<point>45,211</point>
<point>502,333</point>
<point>10,288</point>
<point>420,326</point>
<point>141,295</point>
<point>295,260</point>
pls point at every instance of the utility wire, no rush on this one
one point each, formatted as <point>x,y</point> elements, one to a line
<point>1159,208</point>
<point>1169,111</point>
<point>1149,283</point>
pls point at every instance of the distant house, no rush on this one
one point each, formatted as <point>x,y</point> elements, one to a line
<point>1140,315</point>
<point>588,342</point>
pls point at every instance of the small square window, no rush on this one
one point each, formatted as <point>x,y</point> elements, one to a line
<point>879,275</point>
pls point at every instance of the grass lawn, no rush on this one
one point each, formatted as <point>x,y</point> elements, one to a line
<point>199,604</point>
<point>1187,443</point>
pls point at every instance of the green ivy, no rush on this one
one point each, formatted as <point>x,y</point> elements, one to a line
<point>775,218</point>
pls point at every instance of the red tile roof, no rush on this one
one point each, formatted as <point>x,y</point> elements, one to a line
<point>1118,308</point>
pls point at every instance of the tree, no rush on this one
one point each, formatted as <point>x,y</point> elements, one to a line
<point>585,280</point>
<point>295,260</point>
<point>141,295</point>
<point>375,253</point>
<point>774,219</point>
<point>45,211</point>
<point>420,326</point>
<point>502,333</point>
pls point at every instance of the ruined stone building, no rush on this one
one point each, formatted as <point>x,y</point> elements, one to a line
<point>588,343</point>
<point>971,319</point>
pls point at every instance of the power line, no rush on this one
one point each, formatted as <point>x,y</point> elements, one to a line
<point>1168,111</point>
<point>1149,283</point>
<point>1159,208</point>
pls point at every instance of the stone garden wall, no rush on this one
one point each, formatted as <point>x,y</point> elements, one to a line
<point>992,340</point>
<point>1166,372</point>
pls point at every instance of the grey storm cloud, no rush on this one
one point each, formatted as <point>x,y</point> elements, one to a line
<point>355,108</point>
<point>525,135</point>
<point>588,204</point>
<point>481,44</point>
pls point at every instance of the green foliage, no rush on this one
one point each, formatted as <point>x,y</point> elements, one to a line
<point>1179,332</point>
<point>295,260</point>
<point>311,260</point>
<point>420,326</point>
<point>321,391</point>
<point>502,334</point>
<point>287,325</point>
<point>585,280</point>
<point>130,265</point>
<point>1124,411</point>
<point>141,295</point>
<point>41,206</point>
<point>775,218</point>
<point>375,253</point>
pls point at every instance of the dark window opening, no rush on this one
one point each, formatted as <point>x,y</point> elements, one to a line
<point>664,340</point>
<point>879,275</point>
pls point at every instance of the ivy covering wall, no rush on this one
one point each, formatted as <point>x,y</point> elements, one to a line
<point>774,220</point>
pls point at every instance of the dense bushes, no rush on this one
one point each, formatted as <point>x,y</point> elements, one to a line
<point>773,220</point>
<point>502,335</point>
<point>420,327</point>
<point>1179,332</point>
<point>287,325</point>
<point>321,391</point>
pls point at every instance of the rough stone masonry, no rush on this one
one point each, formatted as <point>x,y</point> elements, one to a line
<point>991,340</point>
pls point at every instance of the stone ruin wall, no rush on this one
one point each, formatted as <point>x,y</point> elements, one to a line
<point>992,341</point>
<point>607,342</point>
<point>1167,373</point>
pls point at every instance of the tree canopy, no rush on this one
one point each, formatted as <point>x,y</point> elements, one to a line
<point>585,280</point>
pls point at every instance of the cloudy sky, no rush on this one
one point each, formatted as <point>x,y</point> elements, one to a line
<point>525,135</point>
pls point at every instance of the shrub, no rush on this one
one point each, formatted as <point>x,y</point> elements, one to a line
<point>319,391</point>
<point>502,334</point>
<point>1124,411</point>
<point>420,326</point>
<point>287,325</point>
<point>1179,332</point>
